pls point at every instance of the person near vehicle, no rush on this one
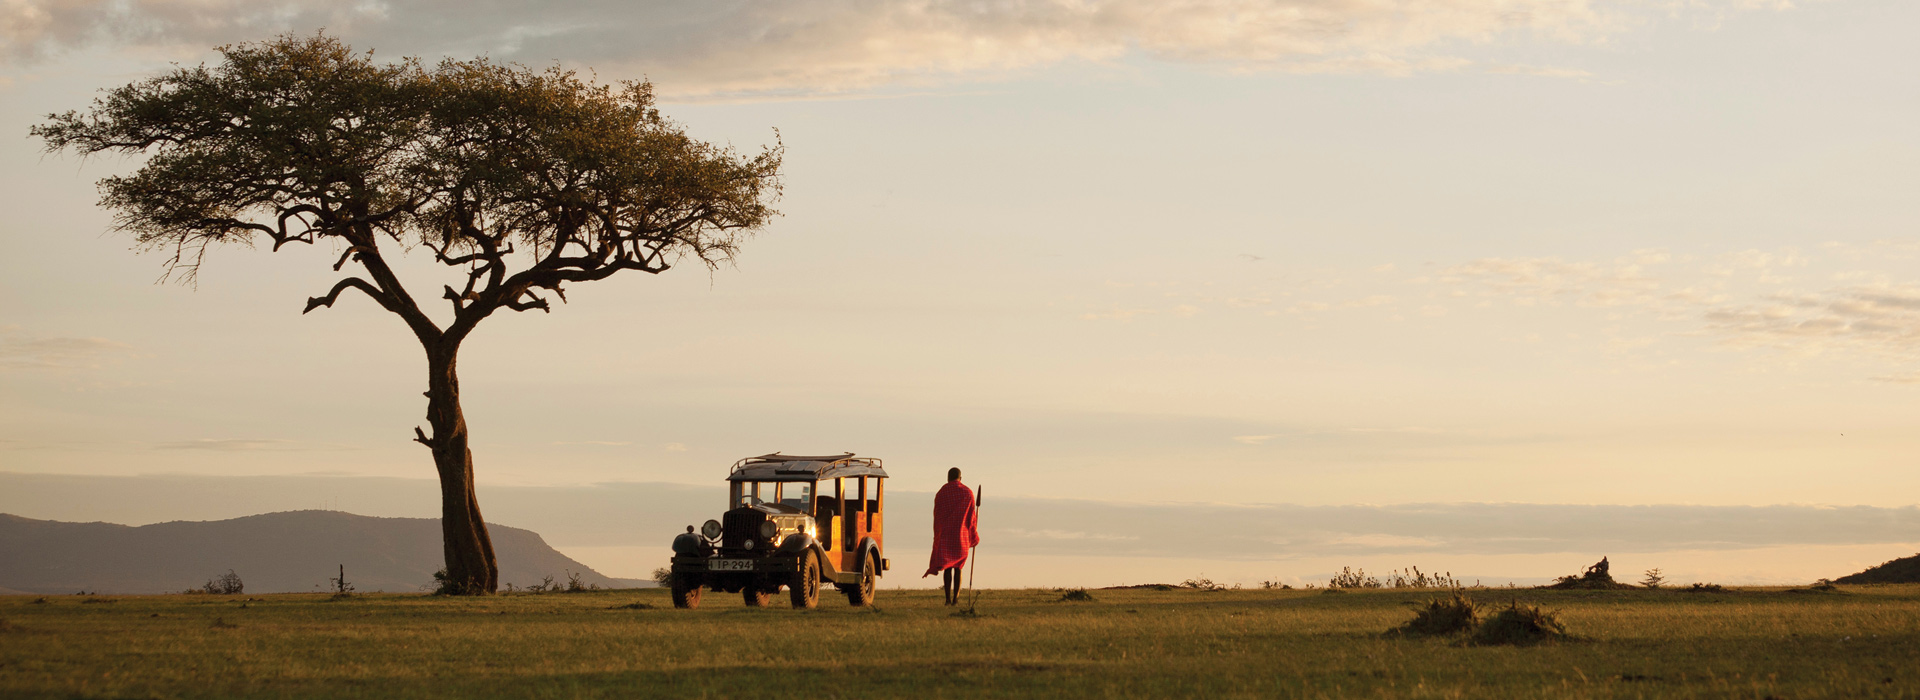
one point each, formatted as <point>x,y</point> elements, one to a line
<point>956,529</point>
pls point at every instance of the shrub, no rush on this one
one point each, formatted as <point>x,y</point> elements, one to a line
<point>1077,595</point>
<point>1705,588</point>
<point>1595,577</point>
<point>1519,625</point>
<point>1202,584</point>
<point>1416,579</point>
<point>1353,578</point>
<point>1450,615</point>
<point>663,576</point>
<point>225,584</point>
<point>1653,579</point>
<point>1275,585</point>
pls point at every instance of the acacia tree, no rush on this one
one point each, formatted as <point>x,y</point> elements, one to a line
<point>517,181</point>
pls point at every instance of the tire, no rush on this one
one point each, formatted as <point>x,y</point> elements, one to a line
<point>804,590</point>
<point>861,594</point>
<point>686,593</point>
<point>756,597</point>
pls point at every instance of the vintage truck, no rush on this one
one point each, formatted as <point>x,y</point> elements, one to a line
<point>792,521</point>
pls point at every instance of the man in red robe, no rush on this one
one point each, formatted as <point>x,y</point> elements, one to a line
<point>956,529</point>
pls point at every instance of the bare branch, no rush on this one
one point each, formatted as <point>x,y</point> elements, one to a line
<point>344,285</point>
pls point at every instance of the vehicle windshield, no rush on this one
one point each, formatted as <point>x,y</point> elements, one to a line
<point>797,495</point>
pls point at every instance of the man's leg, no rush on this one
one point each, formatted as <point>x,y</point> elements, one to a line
<point>949,584</point>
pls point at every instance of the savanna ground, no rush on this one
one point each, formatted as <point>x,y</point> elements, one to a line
<point>1858,642</point>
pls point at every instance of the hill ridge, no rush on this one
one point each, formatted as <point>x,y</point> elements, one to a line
<point>287,551</point>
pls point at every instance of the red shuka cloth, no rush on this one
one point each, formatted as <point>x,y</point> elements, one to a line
<point>956,527</point>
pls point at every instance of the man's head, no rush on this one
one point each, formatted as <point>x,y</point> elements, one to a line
<point>953,474</point>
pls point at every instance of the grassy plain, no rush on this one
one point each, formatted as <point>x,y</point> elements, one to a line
<point>1862,642</point>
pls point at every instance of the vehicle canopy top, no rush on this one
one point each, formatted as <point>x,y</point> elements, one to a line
<point>779,467</point>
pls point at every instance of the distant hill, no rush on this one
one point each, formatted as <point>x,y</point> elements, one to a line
<point>1903,570</point>
<point>272,553</point>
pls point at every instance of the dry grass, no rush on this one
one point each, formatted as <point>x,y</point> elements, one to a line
<point>1128,644</point>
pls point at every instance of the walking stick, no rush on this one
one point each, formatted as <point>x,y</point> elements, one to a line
<point>973,599</point>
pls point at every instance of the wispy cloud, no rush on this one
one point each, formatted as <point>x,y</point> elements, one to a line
<point>776,47</point>
<point>243,445</point>
<point>21,351</point>
<point>1252,439</point>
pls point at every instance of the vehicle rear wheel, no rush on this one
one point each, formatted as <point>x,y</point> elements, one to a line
<point>862,592</point>
<point>686,593</point>
<point>805,587</point>
<point>756,596</point>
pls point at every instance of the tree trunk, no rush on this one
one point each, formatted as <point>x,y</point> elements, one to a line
<point>471,569</point>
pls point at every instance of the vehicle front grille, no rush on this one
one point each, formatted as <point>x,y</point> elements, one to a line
<point>740,525</point>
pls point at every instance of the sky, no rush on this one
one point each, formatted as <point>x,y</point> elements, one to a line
<point>1170,256</point>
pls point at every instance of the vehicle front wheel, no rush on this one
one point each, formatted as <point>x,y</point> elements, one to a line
<point>756,596</point>
<point>862,592</point>
<point>805,587</point>
<point>686,593</point>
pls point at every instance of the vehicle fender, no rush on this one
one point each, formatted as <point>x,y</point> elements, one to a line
<point>870,549</point>
<point>687,544</point>
<point>796,543</point>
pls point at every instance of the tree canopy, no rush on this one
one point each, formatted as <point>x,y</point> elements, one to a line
<point>300,139</point>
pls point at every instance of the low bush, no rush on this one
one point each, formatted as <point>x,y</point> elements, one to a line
<point>1705,588</point>
<point>1440,616</point>
<point>663,576</point>
<point>1077,595</point>
<point>1519,625</point>
<point>225,584</point>
<point>1202,584</point>
<point>1352,578</point>
<point>1595,577</point>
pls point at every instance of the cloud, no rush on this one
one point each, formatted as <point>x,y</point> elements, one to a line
<point>21,352</point>
<point>225,445</point>
<point>1883,319</point>
<point>1252,439</point>
<point>1555,282</point>
<point>597,443</point>
<point>774,47</point>
<point>243,445</point>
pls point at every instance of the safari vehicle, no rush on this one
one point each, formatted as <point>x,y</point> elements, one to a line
<point>792,521</point>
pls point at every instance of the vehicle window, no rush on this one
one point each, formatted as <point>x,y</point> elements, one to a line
<point>798,494</point>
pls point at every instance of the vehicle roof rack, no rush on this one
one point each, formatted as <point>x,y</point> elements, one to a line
<point>779,467</point>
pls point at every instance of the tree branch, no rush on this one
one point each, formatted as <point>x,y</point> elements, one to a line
<point>343,285</point>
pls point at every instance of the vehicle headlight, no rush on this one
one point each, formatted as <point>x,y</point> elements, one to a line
<point>768,529</point>
<point>711,529</point>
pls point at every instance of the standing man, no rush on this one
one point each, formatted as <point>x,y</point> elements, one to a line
<point>956,529</point>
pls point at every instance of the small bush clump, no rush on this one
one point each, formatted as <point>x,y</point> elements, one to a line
<point>1653,579</point>
<point>1440,616</point>
<point>1595,577</point>
<point>663,576</point>
<point>1519,625</point>
<point>1705,588</point>
<point>1352,578</point>
<point>1202,583</point>
<point>1077,595</point>
<point>225,584</point>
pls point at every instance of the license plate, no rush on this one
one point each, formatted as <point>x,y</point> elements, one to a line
<point>731,565</point>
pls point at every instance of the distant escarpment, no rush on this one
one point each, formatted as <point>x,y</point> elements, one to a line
<point>273,553</point>
<point>1902,570</point>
